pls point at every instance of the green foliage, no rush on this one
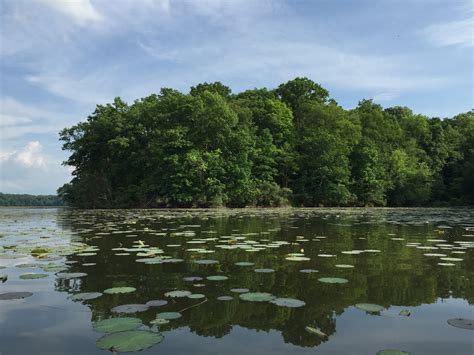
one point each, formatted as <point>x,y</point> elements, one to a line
<point>293,145</point>
<point>30,200</point>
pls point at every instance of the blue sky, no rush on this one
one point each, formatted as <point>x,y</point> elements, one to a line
<point>59,58</point>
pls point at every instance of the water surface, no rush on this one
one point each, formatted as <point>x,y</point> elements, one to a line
<point>154,251</point>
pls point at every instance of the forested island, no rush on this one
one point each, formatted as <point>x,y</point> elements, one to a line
<point>293,145</point>
<point>30,200</point>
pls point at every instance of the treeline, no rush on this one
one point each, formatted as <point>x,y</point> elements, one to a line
<point>30,200</point>
<point>292,145</point>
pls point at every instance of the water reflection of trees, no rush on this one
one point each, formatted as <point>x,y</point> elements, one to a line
<point>400,276</point>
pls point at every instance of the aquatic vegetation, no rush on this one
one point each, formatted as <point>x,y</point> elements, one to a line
<point>124,289</point>
<point>131,340</point>
<point>113,325</point>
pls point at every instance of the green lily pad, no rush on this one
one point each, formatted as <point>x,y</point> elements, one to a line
<point>84,296</point>
<point>244,263</point>
<point>239,290</point>
<point>177,293</point>
<point>115,290</point>
<point>113,325</point>
<point>196,296</point>
<point>256,296</point>
<point>130,308</point>
<point>392,352</point>
<point>206,262</point>
<point>39,251</point>
<point>168,315</point>
<point>132,340</point>
<point>25,266</point>
<point>156,303</point>
<point>14,295</point>
<point>225,298</point>
<point>333,280</point>
<point>405,313</point>
<point>159,321</point>
<point>192,278</point>
<point>297,258</point>
<point>451,259</point>
<point>370,307</point>
<point>316,331</point>
<point>32,276</point>
<point>265,271</point>
<point>288,302</point>
<point>54,268</point>
<point>462,323</point>
<point>308,271</point>
<point>217,278</point>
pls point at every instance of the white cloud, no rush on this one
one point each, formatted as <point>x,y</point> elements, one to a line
<point>31,155</point>
<point>30,170</point>
<point>7,120</point>
<point>81,11</point>
<point>385,96</point>
<point>453,33</point>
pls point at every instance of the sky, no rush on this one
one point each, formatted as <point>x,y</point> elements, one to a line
<point>60,58</point>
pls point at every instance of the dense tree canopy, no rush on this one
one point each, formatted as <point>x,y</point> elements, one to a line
<point>292,145</point>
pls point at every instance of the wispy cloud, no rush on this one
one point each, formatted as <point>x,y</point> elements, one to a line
<point>385,96</point>
<point>80,11</point>
<point>452,33</point>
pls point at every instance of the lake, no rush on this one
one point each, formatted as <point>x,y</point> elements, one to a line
<point>245,281</point>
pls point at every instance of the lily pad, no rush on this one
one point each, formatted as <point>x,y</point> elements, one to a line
<point>177,293</point>
<point>54,268</point>
<point>370,307</point>
<point>451,259</point>
<point>239,290</point>
<point>265,271</point>
<point>115,290</point>
<point>168,315</point>
<point>196,296</point>
<point>405,313</point>
<point>288,302</point>
<point>113,325</point>
<point>308,271</point>
<point>206,262</point>
<point>217,278</point>
<point>14,295</point>
<point>256,296</point>
<point>130,308</point>
<point>297,258</point>
<point>462,323</point>
<point>132,340</point>
<point>32,276</point>
<point>316,331</point>
<point>156,303</point>
<point>392,352</point>
<point>225,298</point>
<point>333,280</point>
<point>192,278</point>
<point>159,321</point>
<point>244,263</point>
<point>84,296</point>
